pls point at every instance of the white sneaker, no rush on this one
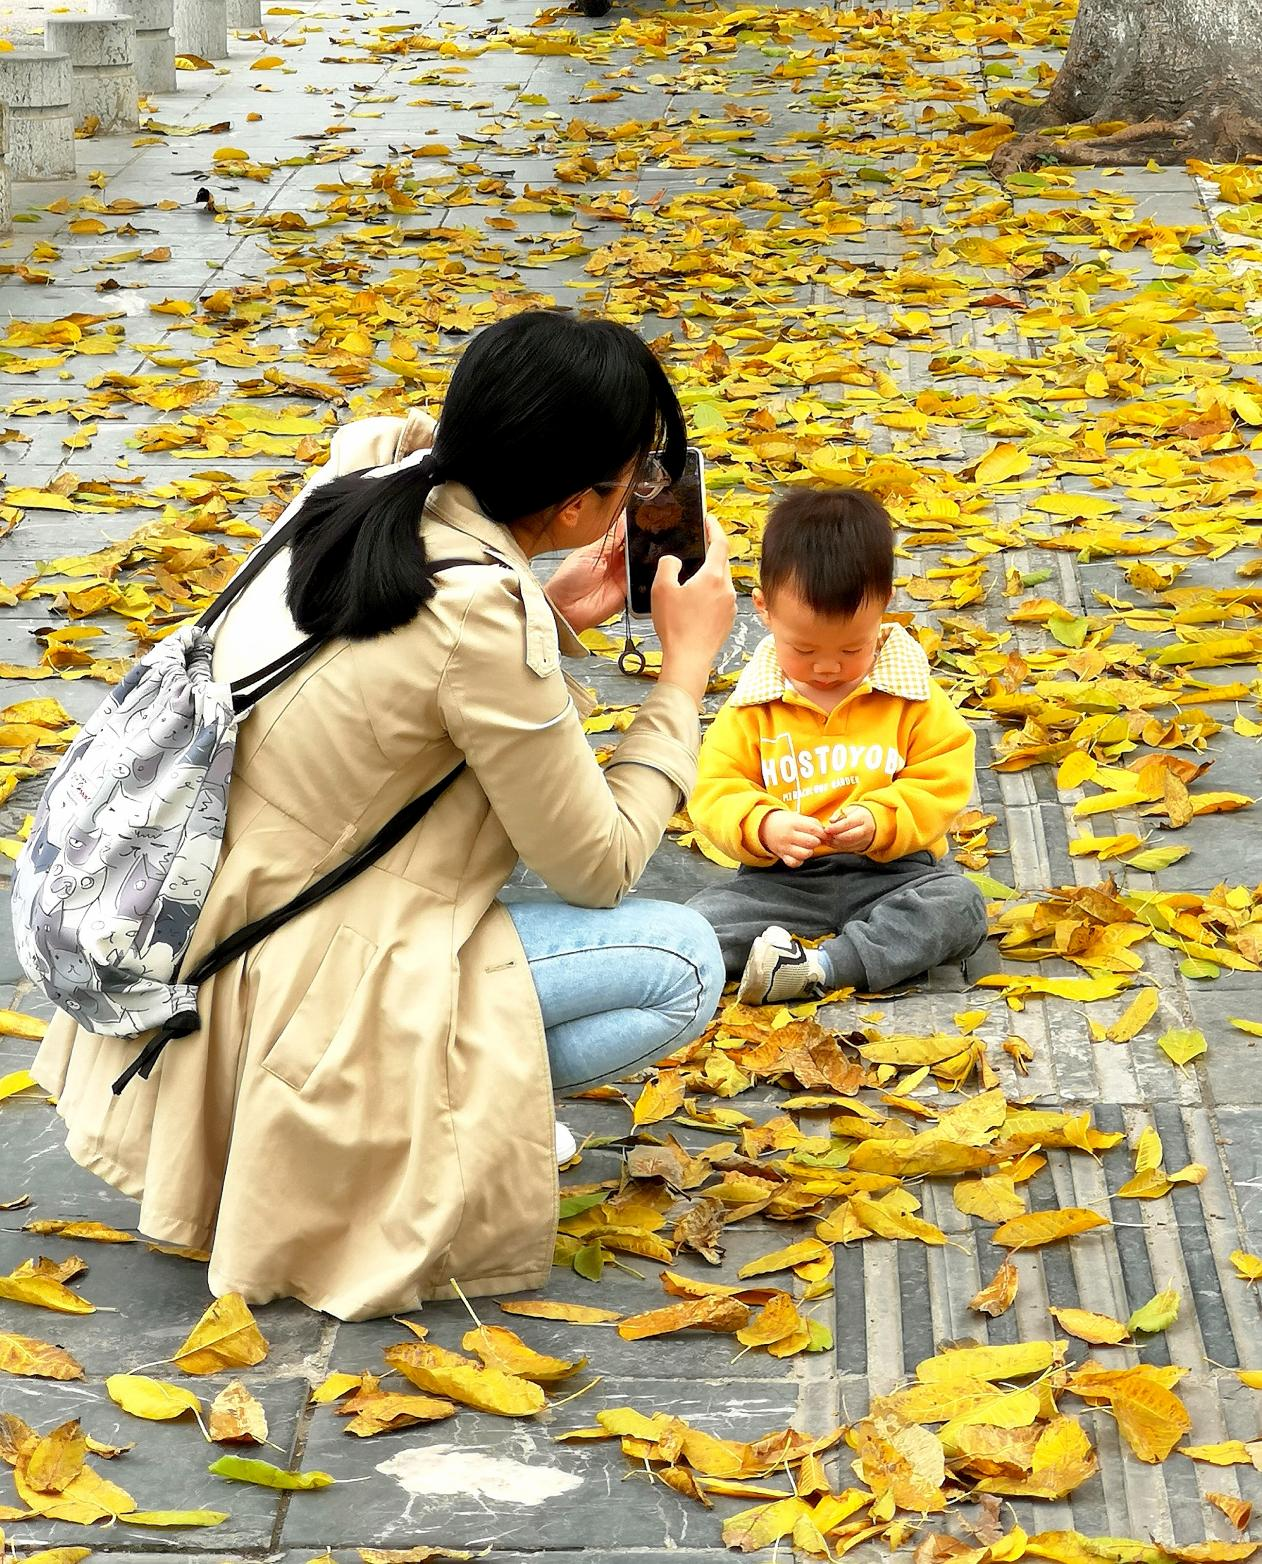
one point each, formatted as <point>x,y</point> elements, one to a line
<point>567,1146</point>
<point>781,968</point>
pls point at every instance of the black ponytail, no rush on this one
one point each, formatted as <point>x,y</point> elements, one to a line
<point>357,560</point>
<point>541,407</point>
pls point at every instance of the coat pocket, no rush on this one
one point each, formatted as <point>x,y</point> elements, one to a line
<point>306,1036</point>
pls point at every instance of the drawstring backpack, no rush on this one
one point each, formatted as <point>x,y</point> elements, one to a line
<point>127,836</point>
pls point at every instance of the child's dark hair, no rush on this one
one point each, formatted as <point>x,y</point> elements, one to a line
<point>541,406</point>
<point>833,547</point>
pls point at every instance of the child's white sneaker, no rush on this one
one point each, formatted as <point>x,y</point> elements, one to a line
<point>567,1146</point>
<point>781,968</point>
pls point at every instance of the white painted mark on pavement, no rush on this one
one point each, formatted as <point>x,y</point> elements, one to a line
<point>444,1469</point>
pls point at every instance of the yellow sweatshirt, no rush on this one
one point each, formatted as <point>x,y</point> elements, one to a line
<point>895,744</point>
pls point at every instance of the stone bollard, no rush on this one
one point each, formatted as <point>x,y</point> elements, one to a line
<point>155,42</point>
<point>201,28</point>
<point>6,202</point>
<point>36,88</point>
<point>245,15</point>
<point>102,60</point>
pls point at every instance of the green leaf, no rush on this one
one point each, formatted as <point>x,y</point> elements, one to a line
<point>1157,1314</point>
<point>1181,1045</point>
<point>265,1474</point>
<point>573,1205</point>
<point>707,417</point>
<point>821,1338</point>
<point>1154,858</point>
<point>590,1261</point>
<point>177,1517</point>
<point>1069,632</point>
<point>992,889</point>
<point>1194,967</point>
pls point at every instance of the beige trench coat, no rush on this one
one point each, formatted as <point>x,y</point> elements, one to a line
<point>365,1117</point>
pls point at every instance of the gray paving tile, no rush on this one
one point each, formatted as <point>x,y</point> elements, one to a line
<point>146,1305</point>
<point>167,1469</point>
<point>648,1515</point>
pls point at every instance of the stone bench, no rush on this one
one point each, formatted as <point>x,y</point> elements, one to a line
<point>201,28</point>
<point>36,89</point>
<point>102,52</point>
<point>155,41</point>
<point>6,203</point>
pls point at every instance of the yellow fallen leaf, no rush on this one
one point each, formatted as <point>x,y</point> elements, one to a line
<point>334,1386</point>
<point>36,1359</point>
<point>715,1314</point>
<point>1135,1017</point>
<point>1248,1265</point>
<point>885,1222</point>
<point>95,1232</point>
<point>1007,1362</point>
<point>1036,1228</point>
<point>56,1460</point>
<point>993,1199</point>
<point>503,1349</point>
<point>1230,1452</point>
<point>377,1411</point>
<point>44,1292</point>
<point>152,1399</point>
<point>1151,1418</point>
<point>806,1251</point>
<point>1097,1329</point>
<point>1182,1044</point>
<point>14,1024</point>
<point>16,1081</point>
<point>456,1378</point>
<point>570,1313</point>
<point>226,1337</point>
<point>1000,463</point>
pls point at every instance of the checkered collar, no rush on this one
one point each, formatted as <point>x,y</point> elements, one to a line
<point>901,668</point>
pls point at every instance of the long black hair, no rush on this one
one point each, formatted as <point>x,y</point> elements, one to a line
<point>541,406</point>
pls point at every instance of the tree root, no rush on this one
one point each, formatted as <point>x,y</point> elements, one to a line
<point>1219,134</point>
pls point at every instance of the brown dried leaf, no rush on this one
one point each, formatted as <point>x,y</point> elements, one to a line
<point>999,1293</point>
<point>236,1417</point>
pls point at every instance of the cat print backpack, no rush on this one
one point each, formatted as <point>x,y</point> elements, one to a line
<point>127,836</point>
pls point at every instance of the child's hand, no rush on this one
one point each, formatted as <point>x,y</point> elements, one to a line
<point>791,838</point>
<point>851,830</point>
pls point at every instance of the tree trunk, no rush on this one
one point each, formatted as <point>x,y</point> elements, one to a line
<point>1185,76</point>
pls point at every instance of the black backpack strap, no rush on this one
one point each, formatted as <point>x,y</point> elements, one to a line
<point>393,832</point>
<point>390,834</point>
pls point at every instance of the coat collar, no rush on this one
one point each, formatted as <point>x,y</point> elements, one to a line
<point>901,668</point>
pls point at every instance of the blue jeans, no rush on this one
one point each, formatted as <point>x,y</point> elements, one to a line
<point>619,987</point>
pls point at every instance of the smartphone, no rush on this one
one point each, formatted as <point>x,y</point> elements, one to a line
<point>671,523</point>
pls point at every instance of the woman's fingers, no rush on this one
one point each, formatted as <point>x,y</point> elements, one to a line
<point>717,548</point>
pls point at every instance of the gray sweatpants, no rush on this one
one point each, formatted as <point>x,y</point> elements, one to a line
<point>889,921</point>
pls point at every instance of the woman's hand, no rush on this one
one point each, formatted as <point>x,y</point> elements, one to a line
<point>694,619</point>
<point>591,585</point>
